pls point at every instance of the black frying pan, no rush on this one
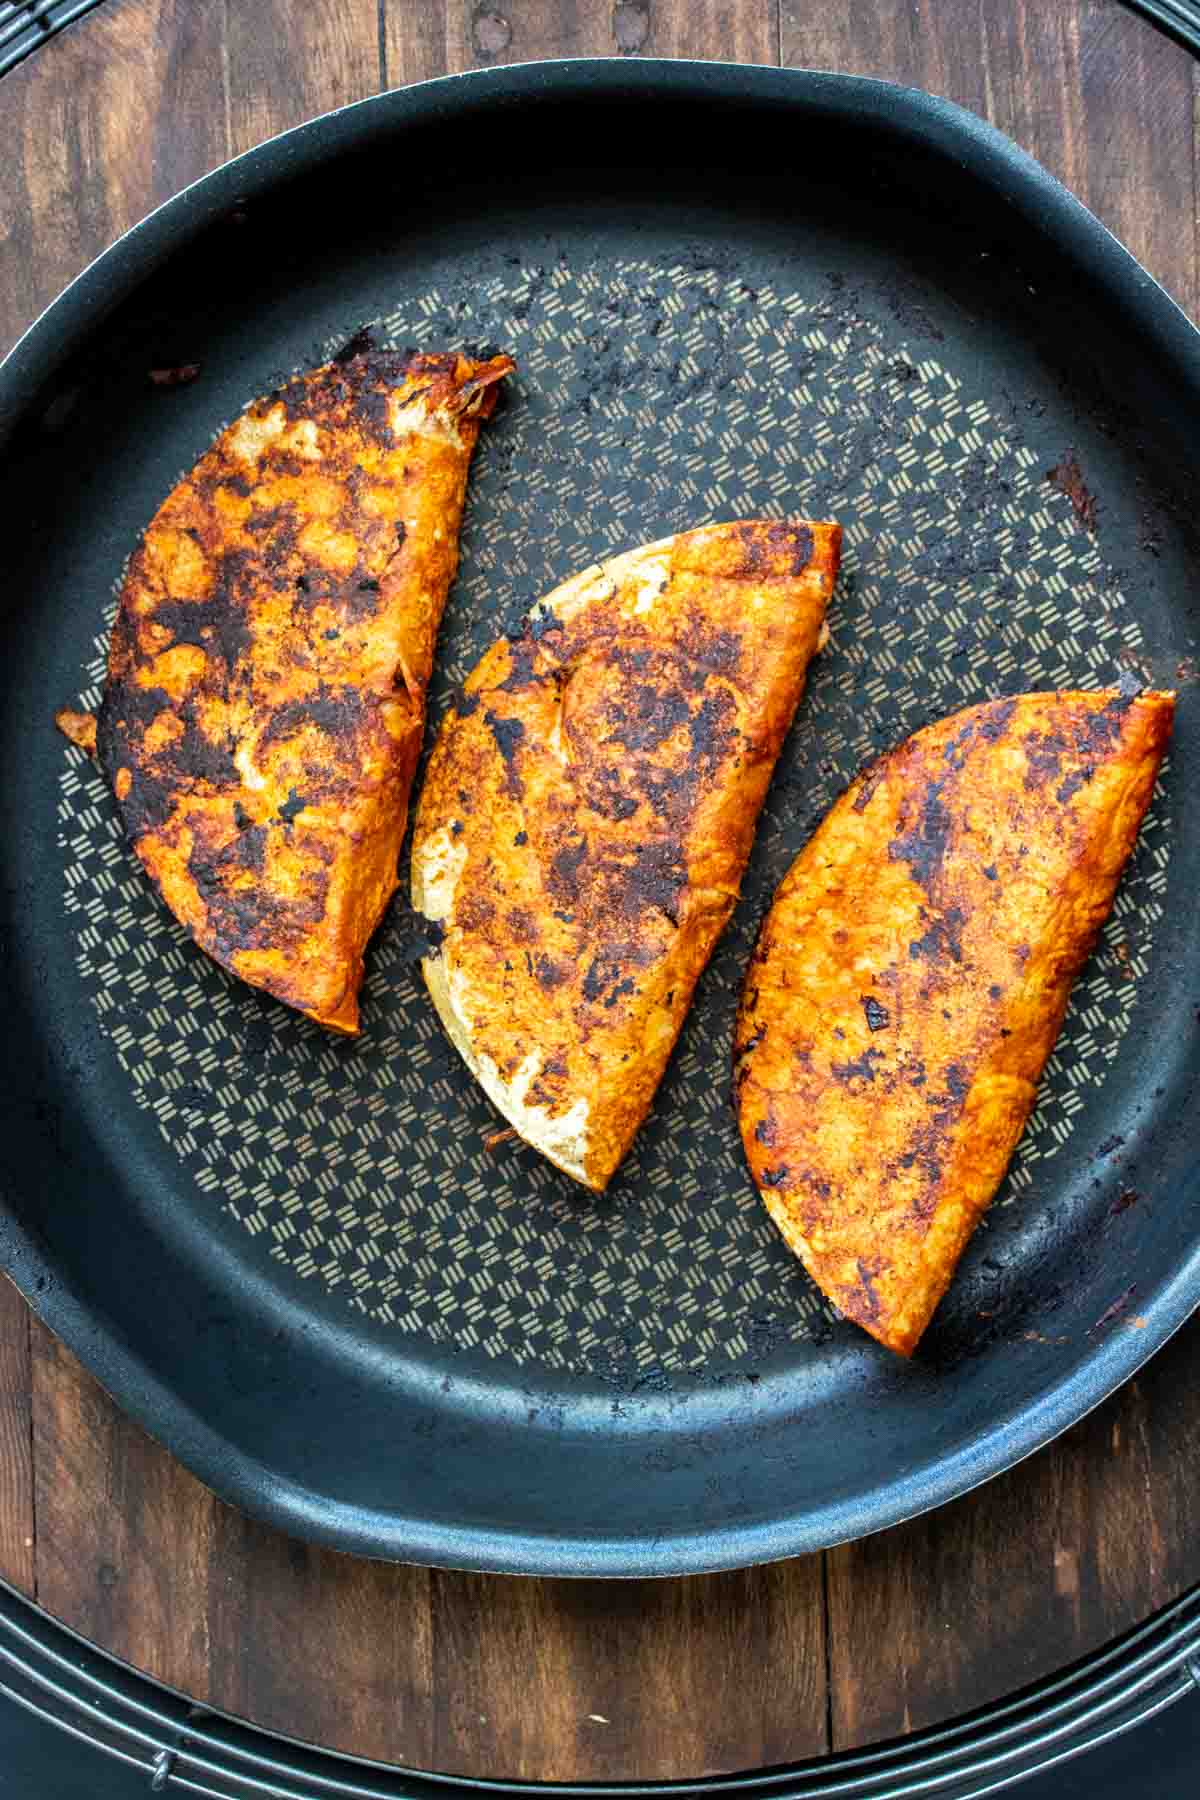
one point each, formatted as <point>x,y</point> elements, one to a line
<point>729,291</point>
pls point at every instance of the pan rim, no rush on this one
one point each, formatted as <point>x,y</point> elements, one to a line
<point>227,1468</point>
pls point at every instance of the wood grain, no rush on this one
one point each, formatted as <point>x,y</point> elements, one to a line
<point>715,29</point>
<point>1029,1573</point>
<point>109,120</point>
<point>143,96</point>
<point>320,1646</point>
<point>591,1681</point>
<point>136,1555</point>
<point>123,1531</point>
<point>448,36</point>
<point>16,1451</point>
<point>1095,93</point>
<point>286,62</point>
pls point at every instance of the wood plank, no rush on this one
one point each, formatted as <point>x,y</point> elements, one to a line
<point>17,1563</point>
<point>1138,142</point>
<point>143,96</point>
<point>1095,93</point>
<point>415,42</point>
<point>617,1681</point>
<point>1028,1574</point>
<point>448,36</point>
<point>113,117</point>
<point>320,1646</point>
<point>124,1533</point>
<point>714,29</point>
<point>138,1556</point>
<point>288,62</point>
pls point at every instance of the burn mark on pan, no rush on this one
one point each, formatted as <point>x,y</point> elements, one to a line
<point>1067,477</point>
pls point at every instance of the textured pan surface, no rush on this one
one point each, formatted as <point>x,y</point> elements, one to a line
<point>822,308</point>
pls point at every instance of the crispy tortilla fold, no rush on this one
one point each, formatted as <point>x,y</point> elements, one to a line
<point>588,813</point>
<point>911,977</point>
<point>265,700</point>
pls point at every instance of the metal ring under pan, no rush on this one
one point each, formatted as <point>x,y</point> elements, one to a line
<point>188,1749</point>
<point>25,25</point>
<point>296,1263</point>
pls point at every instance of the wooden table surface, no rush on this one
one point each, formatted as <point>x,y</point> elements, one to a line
<point>581,1680</point>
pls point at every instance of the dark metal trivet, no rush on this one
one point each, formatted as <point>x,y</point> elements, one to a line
<point>26,25</point>
<point>1180,19</point>
<point>184,1748</point>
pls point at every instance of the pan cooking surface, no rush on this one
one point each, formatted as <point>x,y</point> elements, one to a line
<point>650,398</point>
<point>295,1257</point>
